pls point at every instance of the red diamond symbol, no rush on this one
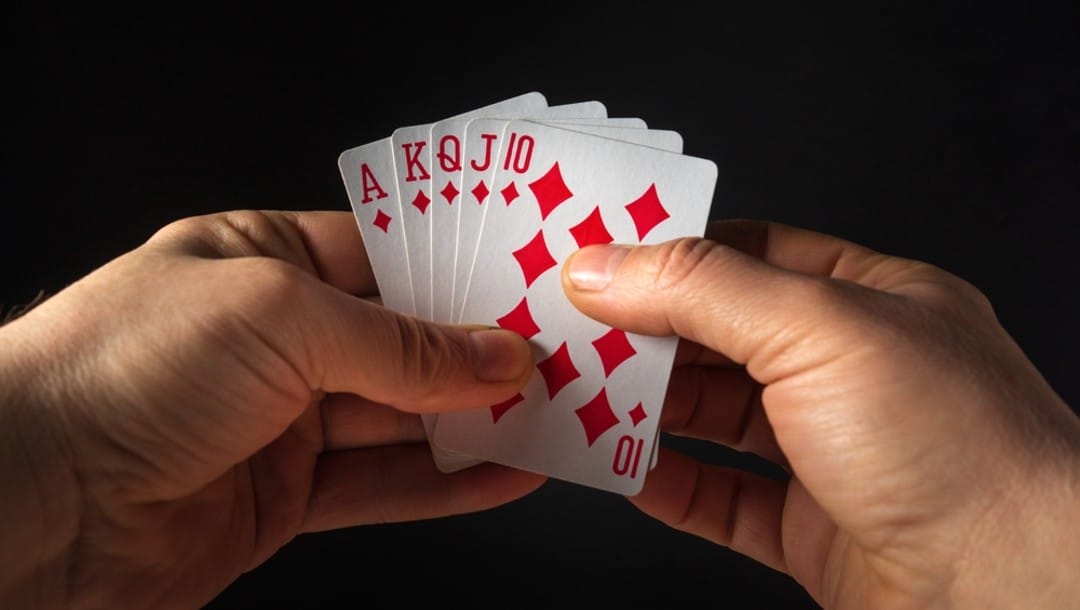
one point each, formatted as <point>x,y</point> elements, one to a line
<point>558,370</point>
<point>520,320</point>
<point>550,190</point>
<point>449,192</point>
<point>480,192</point>
<point>596,416</point>
<point>534,258</point>
<point>421,201</point>
<point>614,348</point>
<point>591,230</point>
<point>509,193</point>
<point>500,409</point>
<point>647,212</point>
<point>637,414</point>
<point>382,220</point>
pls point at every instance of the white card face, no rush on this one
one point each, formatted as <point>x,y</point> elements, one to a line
<point>627,129</point>
<point>412,162</point>
<point>609,122</point>
<point>372,183</point>
<point>630,129</point>
<point>664,139</point>
<point>590,412</point>
<point>472,219</point>
<point>412,166</point>
<point>445,141</point>
<point>368,173</point>
<point>448,155</point>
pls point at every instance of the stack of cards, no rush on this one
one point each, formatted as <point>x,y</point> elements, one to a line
<point>469,219</point>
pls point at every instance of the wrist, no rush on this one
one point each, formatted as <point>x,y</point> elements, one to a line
<point>1025,552</point>
<point>39,514</point>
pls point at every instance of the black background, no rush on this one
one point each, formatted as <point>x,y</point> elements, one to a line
<point>935,131</point>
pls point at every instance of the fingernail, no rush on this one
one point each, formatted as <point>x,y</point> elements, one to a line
<point>498,355</point>
<point>593,267</point>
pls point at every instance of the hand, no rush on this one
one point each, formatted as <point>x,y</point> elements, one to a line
<point>175,417</point>
<point>931,465</point>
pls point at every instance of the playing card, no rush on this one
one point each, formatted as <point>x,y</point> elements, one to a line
<point>590,411</point>
<point>448,156</point>
<point>615,121</point>
<point>447,147</point>
<point>368,173</point>
<point>411,159</point>
<point>373,189</point>
<point>412,163</point>
<point>472,217</point>
<point>630,129</point>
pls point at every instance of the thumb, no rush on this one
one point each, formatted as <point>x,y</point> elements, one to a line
<point>410,363</point>
<point>707,292</point>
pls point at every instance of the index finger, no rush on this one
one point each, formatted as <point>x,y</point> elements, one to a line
<point>337,250</point>
<point>812,253</point>
<point>326,244</point>
<point>744,307</point>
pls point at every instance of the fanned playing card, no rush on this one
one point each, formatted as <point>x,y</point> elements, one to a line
<point>447,139</point>
<point>374,181</point>
<point>426,219</point>
<point>412,163</point>
<point>448,161</point>
<point>472,217</point>
<point>471,210</point>
<point>368,173</point>
<point>442,217</point>
<point>590,412</point>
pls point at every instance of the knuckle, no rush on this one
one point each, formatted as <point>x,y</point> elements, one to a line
<point>268,233</point>
<point>428,358</point>
<point>679,260</point>
<point>234,234</point>
<point>217,235</point>
<point>183,229</point>
<point>971,294</point>
<point>948,291</point>
<point>245,233</point>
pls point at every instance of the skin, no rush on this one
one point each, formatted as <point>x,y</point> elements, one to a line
<point>931,465</point>
<point>172,419</point>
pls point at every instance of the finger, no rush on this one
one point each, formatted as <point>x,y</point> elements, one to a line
<point>716,296</point>
<point>401,483</point>
<point>354,422</point>
<point>339,343</point>
<point>325,244</point>
<point>797,249</point>
<point>283,338</point>
<point>821,255</point>
<point>321,339</point>
<point>333,242</point>
<point>722,405</point>
<point>350,345</point>
<point>726,506</point>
